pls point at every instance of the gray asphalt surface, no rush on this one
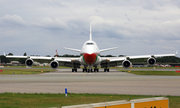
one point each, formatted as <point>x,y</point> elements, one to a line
<point>113,82</point>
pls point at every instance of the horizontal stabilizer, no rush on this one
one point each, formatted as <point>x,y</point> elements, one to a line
<point>73,49</point>
<point>108,49</point>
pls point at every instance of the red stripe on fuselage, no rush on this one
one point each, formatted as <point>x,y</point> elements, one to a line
<point>90,58</point>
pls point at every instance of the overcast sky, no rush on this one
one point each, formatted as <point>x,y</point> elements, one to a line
<point>136,27</point>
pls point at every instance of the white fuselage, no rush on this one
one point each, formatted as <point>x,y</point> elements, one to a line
<point>90,54</point>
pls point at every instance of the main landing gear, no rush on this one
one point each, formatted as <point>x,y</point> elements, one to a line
<point>96,69</point>
<point>90,70</point>
<point>106,69</point>
<point>84,69</point>
<point>105,65</point>
<point>87,70</point>
<point>75,66</point>
<point>74,70</point>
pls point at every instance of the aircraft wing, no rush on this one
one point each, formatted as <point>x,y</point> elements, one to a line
<point>67,59</point>
<point>61,59</point>
<point>153,55</point>
<point>112,59</point>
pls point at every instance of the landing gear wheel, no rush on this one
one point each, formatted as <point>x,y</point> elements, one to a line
<point>96,70</point>
<point>85,69</point>
<point>91,71</point>
<point>105,70</point>
<point>74,70</point>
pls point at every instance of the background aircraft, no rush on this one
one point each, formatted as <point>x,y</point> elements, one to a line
<point>90,57</point>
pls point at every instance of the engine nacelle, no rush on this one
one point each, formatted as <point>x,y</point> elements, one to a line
<point>54,64</point>
<point>126,63</point>
<point>29,62</point>
<point>151,61</point>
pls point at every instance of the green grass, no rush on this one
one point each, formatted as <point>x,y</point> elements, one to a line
<point>147,68</point>
<point>139,72</point>
<point>34,67</point>
<point>17,100</point>
<point>24,71</point>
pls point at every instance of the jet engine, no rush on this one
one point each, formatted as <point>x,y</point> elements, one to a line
<point>151,61</point>
<point>54,64</point>
<point>29,62</point>
<point>126,63</point>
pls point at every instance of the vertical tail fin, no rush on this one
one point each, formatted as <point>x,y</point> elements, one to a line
<point>90,33</point>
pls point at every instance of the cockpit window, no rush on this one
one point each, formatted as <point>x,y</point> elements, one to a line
<point>90,44</point>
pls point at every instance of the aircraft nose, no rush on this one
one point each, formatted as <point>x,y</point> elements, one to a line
<point>90,58</point>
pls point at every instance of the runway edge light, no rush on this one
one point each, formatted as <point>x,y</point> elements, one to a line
<point>66,92</point>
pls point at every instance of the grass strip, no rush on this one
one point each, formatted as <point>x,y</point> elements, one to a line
<point>34,67</point>
<point>18,100</point>
<point>139,72</point>
<point>24,71</point>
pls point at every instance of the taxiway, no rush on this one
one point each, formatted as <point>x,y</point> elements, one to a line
<point>113,82</point>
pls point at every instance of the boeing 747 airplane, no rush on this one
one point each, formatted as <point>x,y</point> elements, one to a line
<point>90,57</point>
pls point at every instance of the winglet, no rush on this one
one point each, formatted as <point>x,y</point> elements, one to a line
<point>176,52</point>
<point>90,37</point>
